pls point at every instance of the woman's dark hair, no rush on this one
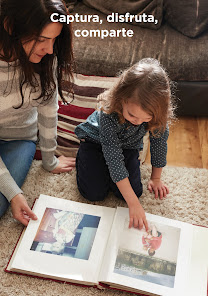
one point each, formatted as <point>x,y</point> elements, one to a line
<point>23,20</point>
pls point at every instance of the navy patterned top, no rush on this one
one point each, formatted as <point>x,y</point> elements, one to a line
<point>114,137</point>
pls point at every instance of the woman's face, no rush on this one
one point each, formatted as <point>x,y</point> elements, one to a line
<point>44,44</point>
<point>135,114</point>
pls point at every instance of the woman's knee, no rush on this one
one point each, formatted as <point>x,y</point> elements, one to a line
<point>17,157</point>
<point>25,154</point>
<point>4,204</point>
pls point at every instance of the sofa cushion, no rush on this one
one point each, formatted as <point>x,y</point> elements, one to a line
<point>80,106</point>
<point>184,58</point>
<point>188,17</point>
<point>136,7</point>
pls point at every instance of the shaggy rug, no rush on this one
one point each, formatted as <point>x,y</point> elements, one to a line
<point>187,201</point>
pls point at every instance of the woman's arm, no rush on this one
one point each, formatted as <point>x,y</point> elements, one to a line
<point>136,211</point>
<point>13,193</point>
<point>47,125</point>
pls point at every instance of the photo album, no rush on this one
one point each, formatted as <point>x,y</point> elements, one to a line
<point>93,246</point>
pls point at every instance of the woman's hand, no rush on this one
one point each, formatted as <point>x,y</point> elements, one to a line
<point>137,216</point>
<point>21,210</point>
<point>160,189</point>
<point>66,164</point>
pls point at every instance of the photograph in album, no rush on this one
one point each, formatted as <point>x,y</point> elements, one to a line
<point>152,256</point>
<point>66,233</point>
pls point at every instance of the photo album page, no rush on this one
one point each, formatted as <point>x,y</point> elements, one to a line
<point>158,261</point>
<point>66,243</point>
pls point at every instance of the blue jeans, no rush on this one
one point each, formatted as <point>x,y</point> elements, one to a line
<point>17,157</point>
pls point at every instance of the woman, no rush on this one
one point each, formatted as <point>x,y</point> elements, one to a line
<point>34,53</point>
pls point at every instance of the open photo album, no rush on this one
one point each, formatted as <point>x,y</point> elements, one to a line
<point>92,245</point>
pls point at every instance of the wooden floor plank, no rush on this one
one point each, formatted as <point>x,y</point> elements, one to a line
<point>203,138</point>
<point>187,143</point>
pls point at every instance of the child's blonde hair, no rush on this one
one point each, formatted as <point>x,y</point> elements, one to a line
<point>147,84</point>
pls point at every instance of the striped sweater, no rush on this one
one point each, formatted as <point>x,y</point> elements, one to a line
<point>23,123</point>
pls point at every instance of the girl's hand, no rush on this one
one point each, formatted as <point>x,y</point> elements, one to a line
<point>66,164</point>
<point>137,216</point>
<point>21,210</point>
<point>158,187</point>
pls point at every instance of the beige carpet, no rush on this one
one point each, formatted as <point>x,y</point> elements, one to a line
<point>187,201</point>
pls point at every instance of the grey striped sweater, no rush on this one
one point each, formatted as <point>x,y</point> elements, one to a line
<point>23,123</point>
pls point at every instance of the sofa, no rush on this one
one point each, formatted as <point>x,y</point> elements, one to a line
<point>179,41</point>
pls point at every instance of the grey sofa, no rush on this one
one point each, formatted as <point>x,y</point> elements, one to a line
<point>184,57</point>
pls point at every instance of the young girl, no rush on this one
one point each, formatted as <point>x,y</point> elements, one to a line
<point>152,240</point>
<point>33,54</point>
<point>111,138</point>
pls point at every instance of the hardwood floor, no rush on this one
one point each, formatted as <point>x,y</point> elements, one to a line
<point>188,143</point>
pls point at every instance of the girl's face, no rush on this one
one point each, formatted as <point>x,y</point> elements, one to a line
<point>134,113</point>
<point>44,44</point>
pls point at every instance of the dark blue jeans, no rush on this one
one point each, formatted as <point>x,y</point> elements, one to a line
<point>17,157</point>
<point>93,177</point>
